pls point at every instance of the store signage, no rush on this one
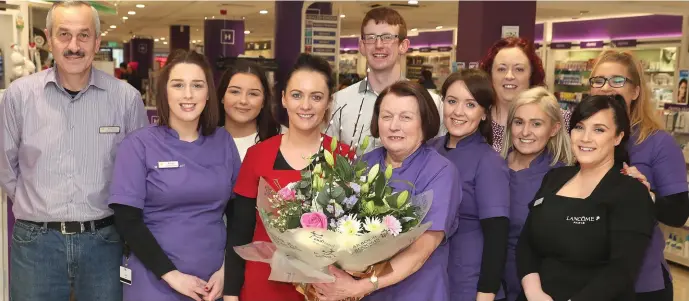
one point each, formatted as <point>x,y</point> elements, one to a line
<point>425,49</point>
<point>624,43</point>
<point>323,50</point>
<point>561,45</point>
<point>324,33</point>
<point>323,42</point>
<point>410,50</point>
<point>510,31</point>
<point>324,25</point>
<point>445,49</point>
<point>143,48</point>
<point>352,51</point>
<point>110,44</point>
<point>473,65</point>
<point>227,36</point>
<point>591,44</point>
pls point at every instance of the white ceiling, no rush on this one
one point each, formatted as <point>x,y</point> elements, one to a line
<point>154,20</point>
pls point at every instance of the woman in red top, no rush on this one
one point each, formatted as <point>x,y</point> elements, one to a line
<point>279,160</point>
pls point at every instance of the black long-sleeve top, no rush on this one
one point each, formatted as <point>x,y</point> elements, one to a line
<point>587,249</point>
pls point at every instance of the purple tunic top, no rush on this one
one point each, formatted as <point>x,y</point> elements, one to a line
<point>182,188</point>
<point>427,170</point>
<point>660,159</point>
<point>485,190</point>
<point>523,187</point>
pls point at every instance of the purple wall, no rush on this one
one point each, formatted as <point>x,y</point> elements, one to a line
<point>179,37</point>
<point>479,25</point>
<point>222,38</point>
<point>538,33</point>
<point>288,36</point>
<point>141,51</point>
<point>619,28</point>
<point>424,39</point>
<point>127,53</point>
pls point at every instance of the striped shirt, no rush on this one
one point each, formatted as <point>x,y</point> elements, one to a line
<point>58,150</point>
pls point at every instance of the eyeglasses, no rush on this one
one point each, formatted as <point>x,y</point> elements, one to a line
<point>386,38</point>
<point>614,81</point>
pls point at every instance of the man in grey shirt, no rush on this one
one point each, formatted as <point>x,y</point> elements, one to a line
<point>60,130</point>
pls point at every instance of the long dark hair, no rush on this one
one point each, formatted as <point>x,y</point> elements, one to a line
<point>310,63</point>
<point>591,105</point>
<point>266,126</point>
<point>209,116</point>
<point>481,88</point>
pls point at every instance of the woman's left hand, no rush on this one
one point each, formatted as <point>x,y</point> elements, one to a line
<point>215,285</point>
<point>345,286</point>
<point>635,173</point>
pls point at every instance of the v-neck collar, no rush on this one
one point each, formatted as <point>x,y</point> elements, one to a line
<point>608,180</point>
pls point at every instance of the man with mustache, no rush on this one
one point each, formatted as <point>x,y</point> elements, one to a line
<point>383,42</point>
<point>58,132</point>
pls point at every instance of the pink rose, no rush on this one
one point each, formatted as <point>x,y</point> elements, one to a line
<point>286,194</point>
<point>314,220</point>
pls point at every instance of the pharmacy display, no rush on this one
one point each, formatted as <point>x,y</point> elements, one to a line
<point>321,37</point>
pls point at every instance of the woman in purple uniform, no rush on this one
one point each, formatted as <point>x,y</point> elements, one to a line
<point>656,160</point>
<point>405,117</point>
<point>171,183</point>
<point>535,142</point>
<point>478,250</point>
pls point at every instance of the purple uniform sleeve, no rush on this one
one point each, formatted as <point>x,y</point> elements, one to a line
<point>492,187</point>
<point>668,167</point>
<point>447,195</point>
<point>128,185</point>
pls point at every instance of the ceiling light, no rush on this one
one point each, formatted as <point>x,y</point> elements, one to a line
<point>162,39</point>
<point>212,17</point>
<point>194,41</point>
<point>243,18</point>
<point>413,2</point>
<point>342,16</point>
<point>113,26</point>
<point>263,12</point>
<point>157,40</point>
<point>131,12</point>
<point>140,5</point>
<point>353,36</point>
<point>438,27</point>
<point>205,18</point>
<point>125,18</point>
<point>102,34</point>
<point>164,43</point>
<point>247,32</point>
<point>414,29</point>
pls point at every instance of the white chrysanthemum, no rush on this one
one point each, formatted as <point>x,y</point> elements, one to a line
<point>349,225</point>
<point>374,225</point>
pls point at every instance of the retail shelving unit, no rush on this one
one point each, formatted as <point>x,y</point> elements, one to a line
<point>572,68</point>
<point>437,59</point>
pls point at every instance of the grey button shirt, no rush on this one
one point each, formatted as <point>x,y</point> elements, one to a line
<point>58,150</point>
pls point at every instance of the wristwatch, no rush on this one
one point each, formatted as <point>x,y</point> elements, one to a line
<point>374,281</point>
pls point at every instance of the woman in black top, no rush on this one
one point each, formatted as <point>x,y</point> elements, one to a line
<point>589,225</point>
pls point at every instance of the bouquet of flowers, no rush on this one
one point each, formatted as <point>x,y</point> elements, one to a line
<point>341,212</point>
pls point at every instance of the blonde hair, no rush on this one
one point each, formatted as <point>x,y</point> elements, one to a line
<point>559,145</point>
<point>641,113</point>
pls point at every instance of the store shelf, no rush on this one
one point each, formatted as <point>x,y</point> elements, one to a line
<point>677,259</point>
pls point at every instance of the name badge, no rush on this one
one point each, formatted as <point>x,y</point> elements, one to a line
<point>538,202</point>
<point>125,275</point>
<point>168,164</point>
<point>109,130</point>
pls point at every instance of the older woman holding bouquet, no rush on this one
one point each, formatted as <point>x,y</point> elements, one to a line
<point>405,118</point>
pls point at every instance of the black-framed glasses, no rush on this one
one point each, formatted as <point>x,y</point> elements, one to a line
<point>616,81</point>
<point>386,38</point>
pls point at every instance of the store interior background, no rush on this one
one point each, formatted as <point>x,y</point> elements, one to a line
<point>568,34</point>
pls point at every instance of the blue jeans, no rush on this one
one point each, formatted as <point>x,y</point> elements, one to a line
<point>45,264</point>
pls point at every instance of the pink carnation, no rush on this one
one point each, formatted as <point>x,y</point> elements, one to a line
<point>314,220</point>
<point>392,224</point>
<point>286,194</point>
